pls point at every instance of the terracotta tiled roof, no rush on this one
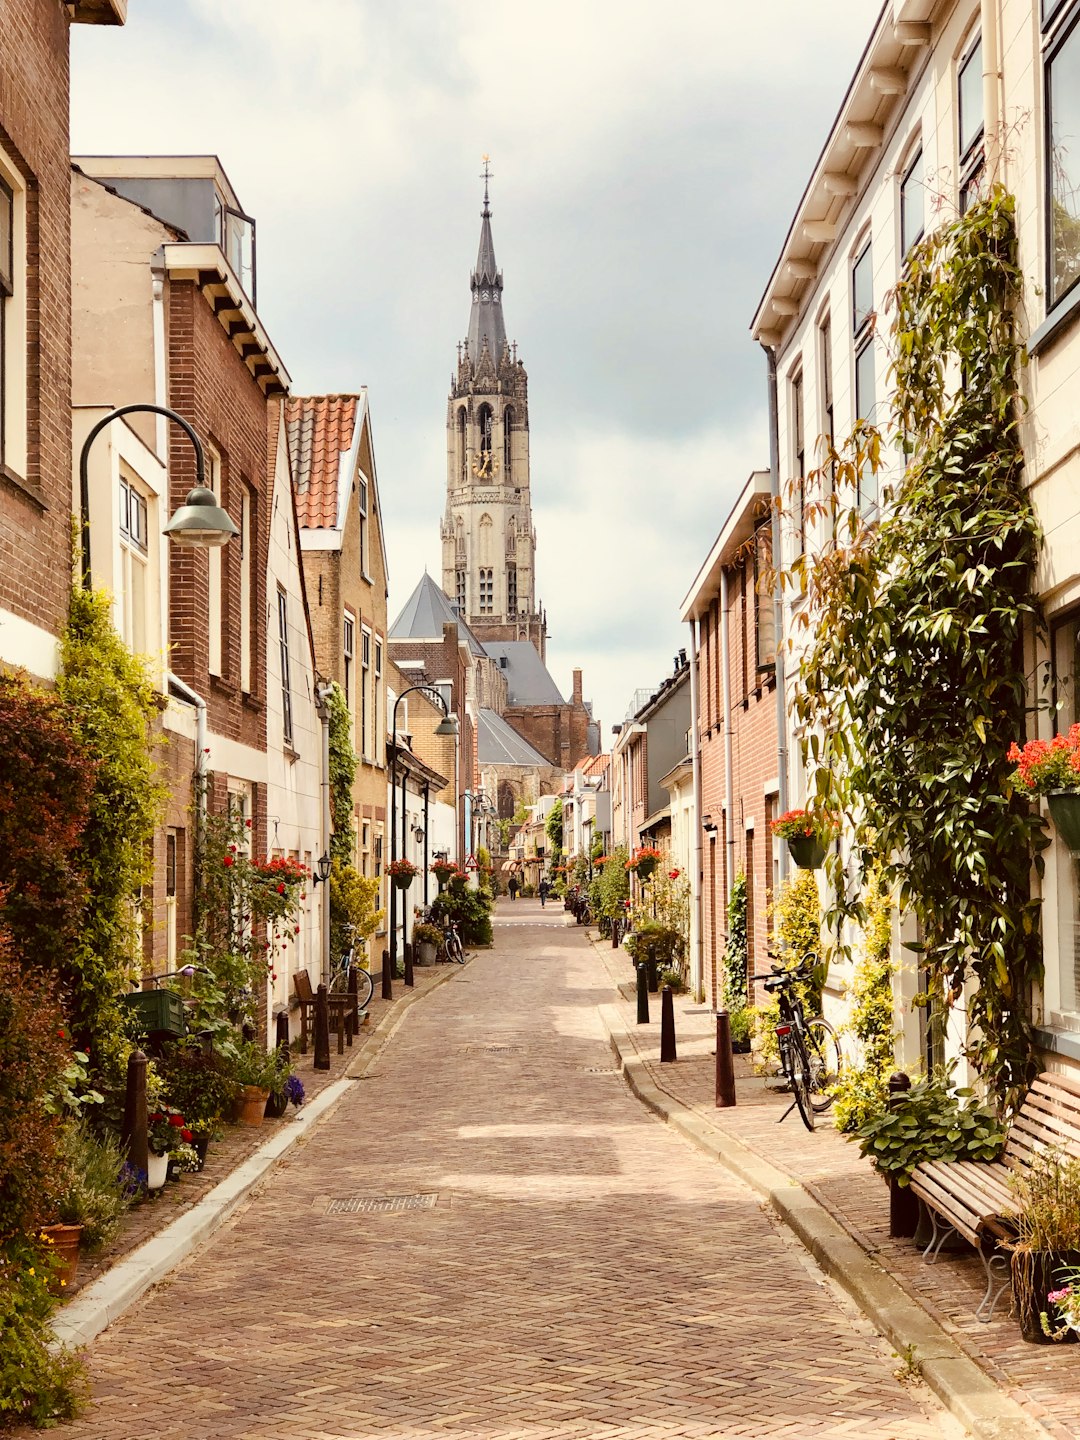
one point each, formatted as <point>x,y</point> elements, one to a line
<point>320,430</point>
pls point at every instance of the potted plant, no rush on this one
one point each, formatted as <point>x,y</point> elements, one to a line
<point>739,1025</point>
<point>285,1089</point>
<point>930,1121</point>
<point>1046,1251</point>
<point>443,870</point>
<point>427,939</point>
<point>254,1070</point>
<point>197,1082</point>
<point>168,1138</point>
<point>644,861</point>
<point>402,873</point>
<point>804,836</point>
<point>1052,768</point>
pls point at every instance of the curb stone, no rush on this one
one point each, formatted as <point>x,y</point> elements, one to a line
<point>108,1297</point>
<point>958,1382</point>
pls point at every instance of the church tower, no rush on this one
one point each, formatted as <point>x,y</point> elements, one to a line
<point>488,540</point>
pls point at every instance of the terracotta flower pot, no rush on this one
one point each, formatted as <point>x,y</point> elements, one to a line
<point>251,1105</point>
<point>62,1242</point>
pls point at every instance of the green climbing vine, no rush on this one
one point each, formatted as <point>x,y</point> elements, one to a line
<point>911,683</point>
<point>343,762</point>
<point>736,953</point>
<point>863,1086</point>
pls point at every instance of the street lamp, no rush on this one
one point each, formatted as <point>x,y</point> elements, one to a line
<point>200,522</point>
<point>446,726</point>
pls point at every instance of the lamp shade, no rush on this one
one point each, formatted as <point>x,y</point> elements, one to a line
<point>447,726</point>
<point>201,521</point>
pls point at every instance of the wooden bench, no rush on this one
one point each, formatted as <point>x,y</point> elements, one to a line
<point>976,1199</point>
<point>342,1010</point>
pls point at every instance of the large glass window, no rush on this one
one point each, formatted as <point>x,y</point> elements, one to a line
<point>247,586</point>
<point>862,290</point>
<point>969,123</point>
<point>134,529</point>
<point>1063,161</point>
<point>286,676</point>
<point>798,446</point>
<point>365,694</point>
<point>7,290</point>
<point>362,505</point>
<point>912,204</point>
<point>764,609</point>
<point>216,575</point>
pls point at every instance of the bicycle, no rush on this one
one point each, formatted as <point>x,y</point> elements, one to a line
<point>346,965</point>
<point>452,948</point>
<point>810,1054</point>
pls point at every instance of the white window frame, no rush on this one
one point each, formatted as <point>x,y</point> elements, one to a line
<point>287,731</point>
<point>247,586</point>
<point>136,576</point>
<point>365,693</point>
<point>14,421</point>
<point>215,618</point>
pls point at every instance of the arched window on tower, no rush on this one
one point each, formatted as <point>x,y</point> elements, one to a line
<point>508,422</point>
<point>484,422</point>
<point>511,590</point>
<point>462,444</point>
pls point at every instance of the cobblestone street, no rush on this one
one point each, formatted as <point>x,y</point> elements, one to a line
<point>564,1265</point>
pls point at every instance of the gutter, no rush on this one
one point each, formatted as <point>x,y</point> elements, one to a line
<point>697,957</point>
<point>729,769</point>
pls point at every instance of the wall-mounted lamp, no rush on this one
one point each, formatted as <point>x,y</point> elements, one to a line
<point>322,869</point>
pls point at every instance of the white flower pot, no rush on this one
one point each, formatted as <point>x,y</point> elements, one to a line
<point>157,1168</point>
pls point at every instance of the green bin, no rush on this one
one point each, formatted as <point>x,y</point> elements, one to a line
<point>160,1012</point>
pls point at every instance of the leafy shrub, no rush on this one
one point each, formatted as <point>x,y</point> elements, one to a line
<point>197,1082</point>
<point>354,909</point>
<point>615,884</point>
<point>739,1022</point>
<point>38,1384</point>
<point>862,1089</point>
<point>929,1122</point>
<point>737,952</point>
<point>469,909</point>
<point>93,1192</point>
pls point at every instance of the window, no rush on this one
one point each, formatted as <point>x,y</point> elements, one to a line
<point>365,847</point>
<point>511,590</point>
<point>484,422</point>
<point>825,386</point>
<point>463,446</point>
<point>133,566</point>
<point>912,204</point>
<point>969,123</point>
<point>247,587</point>
<point>862,290</point>
<point>216,574</point>
<point>460,582</point>
<point>862,321</point>
<point>1050,9</point>
<point>170,897</point>
<point>764,610</point>
<point>286,679</point>
<point>508,421</point>
<point>7,290</point>
<point>1063,162</point>
<point>379,712</point>
<point>365,699</point>
<point>798,445</point>
<point>362,506</point>
<point>865,404</point>
<point>487,592</point>
<point>348,651</point>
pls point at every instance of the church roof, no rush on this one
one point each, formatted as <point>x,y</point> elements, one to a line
<point>486,312</point>
<point>320,430</point>
<point>426,611</point>
<point>527,679</point>
<point>498,743</point>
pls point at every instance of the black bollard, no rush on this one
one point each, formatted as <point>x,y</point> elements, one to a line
<point>667,1026</point>
<point>322,1030</point>
<point>387,982</point>
<point>903,1203</point>
<point>725,1062</point>
<point>133,1133</point>
<point>408,963</point>
<point>642,996</point>
<point>650,970</point>
<point>615,937</point>
<point>281,1034</point>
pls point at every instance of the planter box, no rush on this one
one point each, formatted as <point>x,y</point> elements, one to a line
<point>159,1012</point>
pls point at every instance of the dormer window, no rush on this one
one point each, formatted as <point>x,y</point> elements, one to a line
<point>236,236</point>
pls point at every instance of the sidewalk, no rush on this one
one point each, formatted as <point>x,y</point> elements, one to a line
<point>1042,1380</point>
<point>159,1232</point>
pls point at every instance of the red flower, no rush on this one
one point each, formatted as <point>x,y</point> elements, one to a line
<point>248,824</point>
<point>673,874</point>
<point>281,889</point>
<point>177,1120</point>
<point>60,1034</point>
<point>186,1136</point>
<point>228,860</point>
<point>273,974</point>
<point>297,930</point>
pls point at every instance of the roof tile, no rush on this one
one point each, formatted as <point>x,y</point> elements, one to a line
<point>320,429</point>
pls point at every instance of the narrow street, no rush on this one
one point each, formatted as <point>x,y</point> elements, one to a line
<point>565,1265</point>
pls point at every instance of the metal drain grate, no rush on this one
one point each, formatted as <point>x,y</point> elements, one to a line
<point>380,1204</point>
<point>600,1070</point>
<point>493,1050</point>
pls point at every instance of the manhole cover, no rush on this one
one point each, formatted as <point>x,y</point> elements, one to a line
<point>493,1049</point>
<point>380,1204</point>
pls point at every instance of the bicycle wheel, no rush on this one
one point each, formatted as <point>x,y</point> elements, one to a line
<point>797,1065</point>
<point>365,986</point>
<point>454,951</point>
<point>826,1062</point>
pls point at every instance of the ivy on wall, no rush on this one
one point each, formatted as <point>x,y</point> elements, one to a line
<point>736,953</point>
<point>343,763</point>
<point>912,686</point>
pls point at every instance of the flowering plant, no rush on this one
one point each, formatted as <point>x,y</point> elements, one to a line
<point>443,867</point>
<point>644,858</point>
<point>797,825</point>
<point>402,868</point>
<point>166,1131</point>
<point>1045,765</point>
<point>1066,1299</point>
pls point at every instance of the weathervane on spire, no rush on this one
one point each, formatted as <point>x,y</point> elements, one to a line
<point>486,176</point>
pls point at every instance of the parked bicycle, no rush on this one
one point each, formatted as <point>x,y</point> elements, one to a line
<point>452,948</point>
<point>810,1054</point>
<point>346,965</point>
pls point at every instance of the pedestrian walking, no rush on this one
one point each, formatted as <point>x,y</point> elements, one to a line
<point>512,885</point>
<point>545,891</point>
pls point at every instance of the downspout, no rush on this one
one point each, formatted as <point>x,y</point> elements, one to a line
<point>323,711</point>
<point>427,861</point>
<point>697,957</point>
<point>992,79</point>
<point>184,692</point>
<point>778,605</point>
<point>729,767</point>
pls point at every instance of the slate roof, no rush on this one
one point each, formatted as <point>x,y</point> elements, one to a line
<point>426,611</point>
<point>320,430</point>
<point>486,312</point>
<point>499,743</point>
<point>527,678</point>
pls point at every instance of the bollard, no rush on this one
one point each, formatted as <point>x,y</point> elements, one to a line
<point>725,1062</point>
<point>322,1030</point>
<point>387,982</point>
<point>615,937</point>
<point>667,1026</point>
<point>650,970</point>
<point>133,1133</point>
<point>642,995</point>
<point>903,1203</point>
<point>281,1034</point>
<point>408,963</point>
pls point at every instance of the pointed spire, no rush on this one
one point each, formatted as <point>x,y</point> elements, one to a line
<point>485,317</point>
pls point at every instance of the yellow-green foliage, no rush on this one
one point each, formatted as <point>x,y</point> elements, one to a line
<point>665,901</point>
<point>863,1088</point>
<point>353,902</point>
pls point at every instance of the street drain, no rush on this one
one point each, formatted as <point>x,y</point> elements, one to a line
<point>493,1049</point>
<point>380,1204</point>
<point>600,1070</point>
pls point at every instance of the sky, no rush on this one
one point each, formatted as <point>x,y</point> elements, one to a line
<point>646,165</point>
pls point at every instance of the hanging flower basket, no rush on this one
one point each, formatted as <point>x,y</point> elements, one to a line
<point>807,851</point>
<point>443,870</point>
<point>643,862</point>
<point>805,836</point>
<point>402,873</point>
<point>1064,806</point>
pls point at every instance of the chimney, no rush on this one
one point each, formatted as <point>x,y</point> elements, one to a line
<point>577,687</point>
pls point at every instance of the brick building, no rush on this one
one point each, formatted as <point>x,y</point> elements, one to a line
<point>737,730</point>
<point>35,324</point>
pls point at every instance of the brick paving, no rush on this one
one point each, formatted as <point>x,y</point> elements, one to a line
<point>583,1271</point>
<point>1044,1379</point>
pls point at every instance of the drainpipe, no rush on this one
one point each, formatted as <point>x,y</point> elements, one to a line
<point>322,709</point>
<point>991,53</point>
<point>697,957</point>
<point>182,691</point>
<point>729,768</point>
<point>778,604</point>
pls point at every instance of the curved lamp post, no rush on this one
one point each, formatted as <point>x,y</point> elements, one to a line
<point>446,726</point>
<point>199,522</point>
